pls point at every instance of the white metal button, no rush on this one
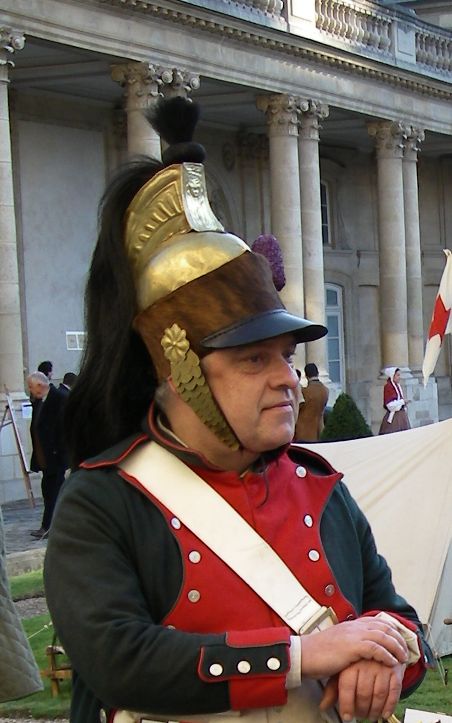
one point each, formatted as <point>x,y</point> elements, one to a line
<point>301,471</point>
<point>330,590</point>
<point>194,556</point>
<point>308,521</point>
<point>243,666</point>
<point>273,664</point>
<point>194,596</point>
<point>314,555</point>
<point>175,522</point>
<point>216,669</point>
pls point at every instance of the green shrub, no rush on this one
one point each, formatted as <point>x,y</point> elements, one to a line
<point>345,421</point>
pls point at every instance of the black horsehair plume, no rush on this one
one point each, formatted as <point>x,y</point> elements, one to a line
<point>175,119</point>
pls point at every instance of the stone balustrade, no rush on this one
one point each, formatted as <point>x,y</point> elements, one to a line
<point>359,26</point>
<point>377,31</point>
<point>434,51</point>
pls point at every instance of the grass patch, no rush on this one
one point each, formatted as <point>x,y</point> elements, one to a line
<point>40,705</point>
<point>30,584</point>
<point>432,695</point>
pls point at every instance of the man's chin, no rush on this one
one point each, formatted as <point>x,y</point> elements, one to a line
<point>273,442</point>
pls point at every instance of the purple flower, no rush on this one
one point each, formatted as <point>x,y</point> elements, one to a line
<point>267,245</point>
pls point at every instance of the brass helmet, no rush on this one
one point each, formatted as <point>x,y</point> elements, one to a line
<point>198,287</point>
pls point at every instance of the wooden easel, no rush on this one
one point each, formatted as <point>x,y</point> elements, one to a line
<point>9,418</point>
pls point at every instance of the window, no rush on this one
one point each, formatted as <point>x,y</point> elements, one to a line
<point>335,338</point>
<point>325,206</point>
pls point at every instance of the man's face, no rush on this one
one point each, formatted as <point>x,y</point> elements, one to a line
<point>257,388</point>
<point>37,389</point>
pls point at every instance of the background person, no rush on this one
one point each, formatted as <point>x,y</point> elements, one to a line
<point>68,382</point>
<point>314,399</point>
<point>46,367</point>
<point>49,456</point>
<point>396,416</point>
<point>202,380</point>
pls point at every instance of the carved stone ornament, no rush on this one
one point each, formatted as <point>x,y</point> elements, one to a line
<point>252,146</point>
<point>141,79</point>
<point>281,112</point>
<point>182,82</point>
<point>10,41</point>
<point>389,137</point>
<point>311,112</point>
<point>413,140</point>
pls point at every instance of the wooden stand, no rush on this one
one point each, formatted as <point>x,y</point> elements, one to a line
<point>59,667</point>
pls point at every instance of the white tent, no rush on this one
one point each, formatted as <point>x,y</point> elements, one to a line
<point>403,482</point>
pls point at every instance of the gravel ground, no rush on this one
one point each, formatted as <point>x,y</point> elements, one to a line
<point>31,606</point>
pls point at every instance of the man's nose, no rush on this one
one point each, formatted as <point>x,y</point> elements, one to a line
<point>285,375</point>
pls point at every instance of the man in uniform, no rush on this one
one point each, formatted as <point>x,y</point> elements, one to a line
<point>199,565</point>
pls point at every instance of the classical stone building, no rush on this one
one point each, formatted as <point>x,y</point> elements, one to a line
<point>328,123</point>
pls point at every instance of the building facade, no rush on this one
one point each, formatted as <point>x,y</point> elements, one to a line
<point>328,123</point>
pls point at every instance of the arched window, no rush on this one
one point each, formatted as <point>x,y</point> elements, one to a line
<point>335,338</point>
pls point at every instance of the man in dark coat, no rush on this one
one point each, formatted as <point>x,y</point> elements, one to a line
<point>48,449</point>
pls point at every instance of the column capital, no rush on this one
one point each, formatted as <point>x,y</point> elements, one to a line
<point>389,137</point>
<point>414,137</point>
<point>141,81</point>
<point>252,146</point>
<point>311,112</point>
<point>10,41</point>
<point>182,82</point>
<point>281,112</point>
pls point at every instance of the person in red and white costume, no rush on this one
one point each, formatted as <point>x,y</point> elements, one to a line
<point>396,416</point>
<point>180,430</point>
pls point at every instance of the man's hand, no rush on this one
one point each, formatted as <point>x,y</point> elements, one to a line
<point>366,689</point>
<point>326,653</point>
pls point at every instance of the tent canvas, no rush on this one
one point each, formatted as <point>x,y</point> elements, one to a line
<point>403,482</point>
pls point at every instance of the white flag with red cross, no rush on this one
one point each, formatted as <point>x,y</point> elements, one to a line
<point>441,322</point>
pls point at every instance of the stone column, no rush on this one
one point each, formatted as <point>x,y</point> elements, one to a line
<point>389,138</point>
<point>142,83</point>
<point>11,352</point>
<point>282,112</point>
<point>311,225</point>
<point>414,137</point>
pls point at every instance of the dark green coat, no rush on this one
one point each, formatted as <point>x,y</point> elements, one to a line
<point>115,570</point>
